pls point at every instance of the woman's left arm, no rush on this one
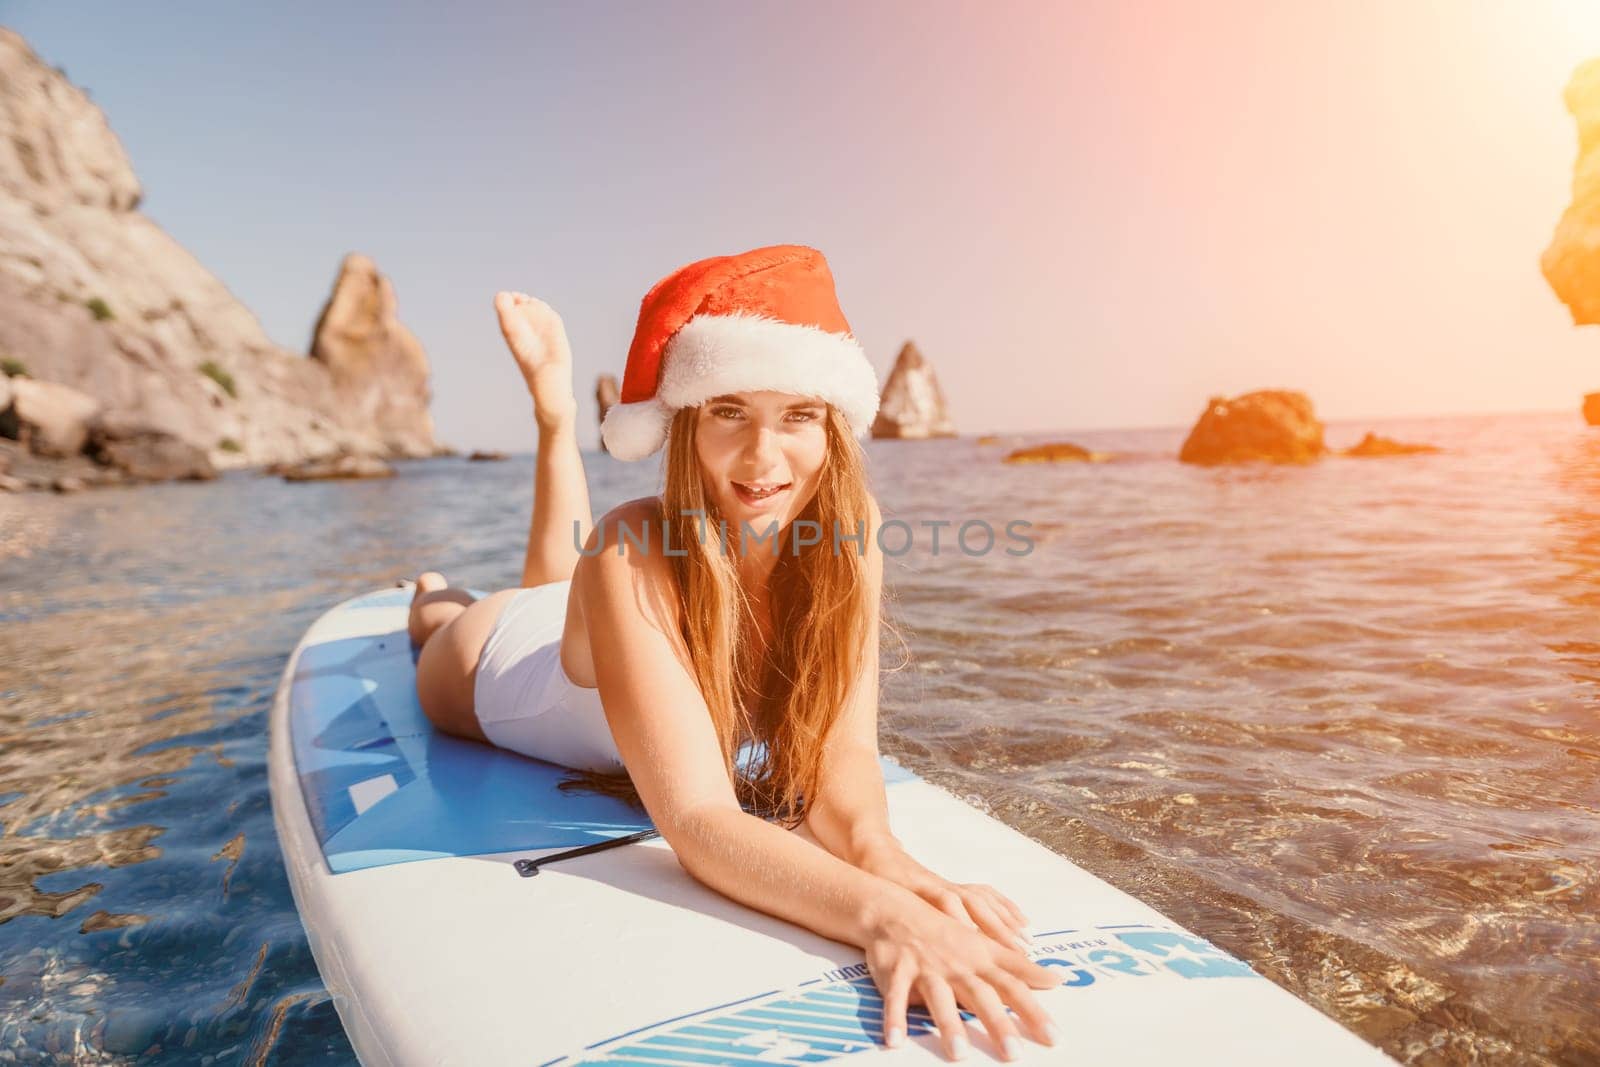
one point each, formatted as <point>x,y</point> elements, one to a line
<point>850,814</point>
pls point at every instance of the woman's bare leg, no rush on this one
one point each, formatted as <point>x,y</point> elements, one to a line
<point>451,627</point>
<point>538,341</point>
<point>433,605</point>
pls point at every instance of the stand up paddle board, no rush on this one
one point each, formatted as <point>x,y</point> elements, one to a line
<point>409,852</point>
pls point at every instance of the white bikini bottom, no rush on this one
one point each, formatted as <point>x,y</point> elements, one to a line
<point>523,698</point>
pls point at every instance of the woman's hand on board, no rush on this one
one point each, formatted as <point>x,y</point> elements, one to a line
<point>920,954</point>
<point>981,905</point>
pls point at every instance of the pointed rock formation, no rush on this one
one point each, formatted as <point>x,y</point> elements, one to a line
<point>912,404</point>
<point>94,296</point>
<point>379,369</point>
<point>1275,425</point>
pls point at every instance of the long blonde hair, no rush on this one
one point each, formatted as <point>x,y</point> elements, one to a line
<point>818,597</point>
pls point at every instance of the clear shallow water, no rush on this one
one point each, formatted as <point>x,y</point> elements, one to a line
<point>1342,720</point>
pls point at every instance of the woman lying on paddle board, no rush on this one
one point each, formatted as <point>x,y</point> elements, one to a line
<point>675,635</point>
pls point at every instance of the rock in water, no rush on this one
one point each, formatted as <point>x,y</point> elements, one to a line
<point>378,366</point>
<point>1374,445</point>
<point>1591,409</point>
<point>482,455</point>
<point>912,404</point>
<point>1571,263</point>
<point>93,295</point>
<point>1275,425</point>
<point>606,394</point>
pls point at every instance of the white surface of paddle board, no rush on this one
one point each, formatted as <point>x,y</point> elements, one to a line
<point>622,957</point>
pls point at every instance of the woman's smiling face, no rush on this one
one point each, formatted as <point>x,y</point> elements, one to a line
<point>761,454</point>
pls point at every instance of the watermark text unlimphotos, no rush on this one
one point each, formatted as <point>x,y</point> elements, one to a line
<point>894,537</point>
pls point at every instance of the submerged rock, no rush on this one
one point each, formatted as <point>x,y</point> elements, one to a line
<point>1374,445</point>
<point>1272,425</point>
<point>1055,452</point>
<point>336,468</point>
<point>912,405</point>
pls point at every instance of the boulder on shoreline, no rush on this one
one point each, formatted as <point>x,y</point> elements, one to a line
<point>147,454</point>
<point>912,405</point>
<point>1271,425</point>
<point>51,419</point>
<point>1373,445</point>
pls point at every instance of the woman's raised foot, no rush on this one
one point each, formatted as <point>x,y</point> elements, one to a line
<point>538,341</point>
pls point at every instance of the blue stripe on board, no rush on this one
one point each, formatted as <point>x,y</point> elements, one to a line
<point>840,1047</point>
<point>816,1015</point>
<point>675,1018</point>
<point>844,1028</point>
<point>640,1050</point>
<point>730,1047</point>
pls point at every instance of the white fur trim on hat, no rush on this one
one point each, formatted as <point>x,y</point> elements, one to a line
<point>741,352</point>
<point>633,431</point>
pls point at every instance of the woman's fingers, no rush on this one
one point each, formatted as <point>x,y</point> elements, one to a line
<point>1015,993</point>
<point>1036,975</point>
<point>985,913</point>
<point>952,904</point>
<point>895,996</point>
<point>946,1016</point>
<point>1003,906</point>
<point>979,996</point>
<point>1011,907</point>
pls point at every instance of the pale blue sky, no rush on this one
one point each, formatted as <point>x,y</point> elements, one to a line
<point>1087,215</point>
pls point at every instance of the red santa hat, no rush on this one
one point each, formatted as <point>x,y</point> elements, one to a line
<point>767,319</point>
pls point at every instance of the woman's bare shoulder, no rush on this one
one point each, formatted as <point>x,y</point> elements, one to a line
<point>624,551</point>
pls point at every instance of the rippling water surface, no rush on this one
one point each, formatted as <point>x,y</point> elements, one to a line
<point>1342,720</point>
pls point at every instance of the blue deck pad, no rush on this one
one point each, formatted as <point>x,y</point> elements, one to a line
<point>383,785</point>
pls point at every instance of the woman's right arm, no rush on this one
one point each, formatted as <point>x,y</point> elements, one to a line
<point>663,732</point>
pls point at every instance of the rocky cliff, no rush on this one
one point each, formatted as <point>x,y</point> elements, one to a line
<point>1571,263</point>
<point>93,295</point>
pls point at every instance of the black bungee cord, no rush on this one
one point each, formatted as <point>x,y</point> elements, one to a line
<point>528,867</point>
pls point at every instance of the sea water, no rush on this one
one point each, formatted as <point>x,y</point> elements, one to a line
<point>1342,720</point>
